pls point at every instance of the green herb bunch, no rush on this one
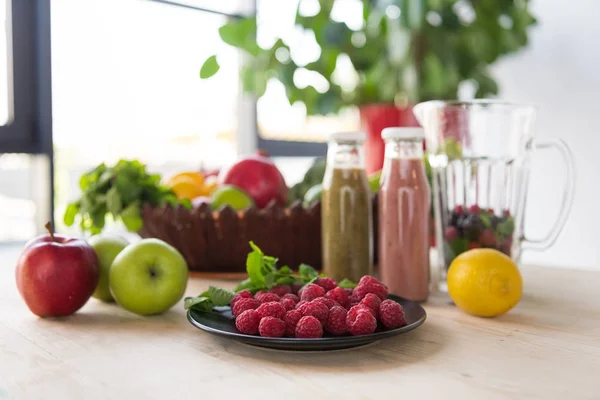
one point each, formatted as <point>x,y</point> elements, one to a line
<point>263,274</point>
<point>120,192</point>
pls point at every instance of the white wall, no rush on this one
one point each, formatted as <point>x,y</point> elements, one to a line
<point>560,73</point>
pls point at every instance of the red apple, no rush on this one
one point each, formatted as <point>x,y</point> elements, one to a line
<point>56,275</point>
<point>259,177</point>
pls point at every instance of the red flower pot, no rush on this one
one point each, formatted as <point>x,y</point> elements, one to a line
<point>374,118</point>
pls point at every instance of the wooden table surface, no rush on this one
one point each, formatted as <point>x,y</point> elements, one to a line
<point>548,347</point>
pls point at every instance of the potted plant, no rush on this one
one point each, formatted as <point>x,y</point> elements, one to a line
<point>404,53</point>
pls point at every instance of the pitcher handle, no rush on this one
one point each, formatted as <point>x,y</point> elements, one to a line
<point>567,197</point>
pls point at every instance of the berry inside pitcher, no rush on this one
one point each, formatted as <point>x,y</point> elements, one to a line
<point>473,227</point>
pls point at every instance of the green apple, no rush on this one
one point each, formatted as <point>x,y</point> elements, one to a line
<point>232,196</point>
<point>148,277</point>
<point>107,247</point>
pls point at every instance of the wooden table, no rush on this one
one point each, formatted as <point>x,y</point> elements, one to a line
<point>548,347</point>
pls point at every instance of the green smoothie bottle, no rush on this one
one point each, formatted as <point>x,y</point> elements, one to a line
<point>346,210</point>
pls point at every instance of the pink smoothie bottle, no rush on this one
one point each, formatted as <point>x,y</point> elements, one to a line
<point>404,200</point>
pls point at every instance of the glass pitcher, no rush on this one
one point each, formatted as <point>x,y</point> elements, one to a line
<point>480,153</point>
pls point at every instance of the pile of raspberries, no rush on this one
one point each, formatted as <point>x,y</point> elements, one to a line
<point>317,308</point>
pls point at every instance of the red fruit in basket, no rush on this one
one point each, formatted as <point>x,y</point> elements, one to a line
<point>281,290</point>
<point>271,327</point>
<point>372,302</point>
<point>391,314</point>
<point>244,294</point>
<point>451,233</point>
<point>326,283</point>
<point>244,304</point>
<point>459,210</point>
<point>56,275</point>
<point>506,213</point>
<point>360,321</point>
<point>309,328</point>
<point>247,322</point>
<point>490,211</point>
<point>336,321</point>
<point>291,320</point>
<point>338,295</point>
<point>487,238</point>
<point>271,309</point>
<point>259,177</point>
<point>316,309</point>
<point>267,297</point>
<point>311,292</point>
<point>474,209</point>
<point>473,245</point>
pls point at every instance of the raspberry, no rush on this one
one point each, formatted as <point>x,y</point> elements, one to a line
<point>244,304</point>
<point>309,327</point>
<point>327,302</point>
<point>474,209</point>
<point>281,290</point>
<point>372,302</point>
<point>352,301</point>
<point>473,245</point>
<point>391,314</point>
<point>378,289</point>
<point>291,320</point>
<point>267,297</point>
<point>271,327</point>
<point>316,309</point>
<point>326,283</point>
<point>451,233</point>
<point>368,279</point>
<point>247,322</point>
<point>488,238</point>
<point>459,209</point>
<point>244,294</point>
<point>271,309</point>
<point>338,295</point>
<point>259,293</point>
<point>311,292</point>
<point>296,287</point>
<point>299,304</point>
<point>336,321</point>
<point>348,291</point>
<point>288,303</point>
<point>291,296</point>
<point>360,321</point>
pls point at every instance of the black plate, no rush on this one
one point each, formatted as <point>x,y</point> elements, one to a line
<point>223,324</point>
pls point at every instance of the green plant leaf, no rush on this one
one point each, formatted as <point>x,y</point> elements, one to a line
<point>200,303</point>
<point>131,218</point>
<point>485,218</point>
<point>70,214</point>
<point>307,272</point>
<point>241,34</point>
<point>209,68</point>
<point>347,284</point>
<point>219,296</point>
<point>254,267</point>
<point>113,201</point>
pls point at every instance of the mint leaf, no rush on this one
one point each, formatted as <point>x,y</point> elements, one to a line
<point>459,246</point>
<point>307,272</point>
<point>256,249</point>
<point>347,284</point>
<point>246,284</point>
<point>200,303</point>
<point>269,280</point>
<point>219,296</point>
<point>506,227</point>
<point>113,201</point>
<point>285,270</point>
<point>131,218</point>
<point>254,263</point>
<point>285,280</point>
<point>485,218</point>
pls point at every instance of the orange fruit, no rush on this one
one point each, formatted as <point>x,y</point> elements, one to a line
<point>187,185</point>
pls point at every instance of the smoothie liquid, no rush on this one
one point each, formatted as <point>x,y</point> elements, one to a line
<point>404,201</point>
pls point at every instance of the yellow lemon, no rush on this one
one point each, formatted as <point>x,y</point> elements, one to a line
<point>484,282</point>
<point>186,188</point>
<point>195,177</point>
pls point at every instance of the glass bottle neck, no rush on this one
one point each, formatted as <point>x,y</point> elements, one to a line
<point>404,148</point>
<point>345,154</point>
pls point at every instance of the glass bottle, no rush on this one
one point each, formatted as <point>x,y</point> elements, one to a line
<point>404,214</point>
<point>346,209</point>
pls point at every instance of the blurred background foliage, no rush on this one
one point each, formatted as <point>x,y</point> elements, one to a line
<point>406,51</point>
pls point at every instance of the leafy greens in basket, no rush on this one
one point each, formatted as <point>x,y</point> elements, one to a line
<point>263,274</point>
